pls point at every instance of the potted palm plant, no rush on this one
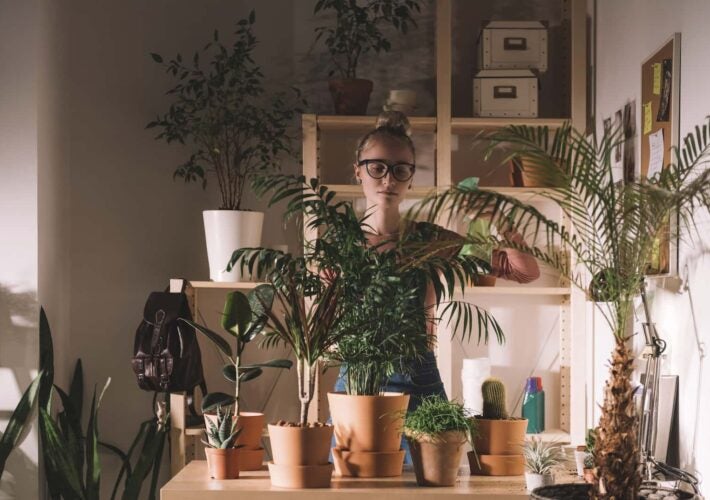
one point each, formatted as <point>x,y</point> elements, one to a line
<point>437,432</point>
<point>243,319</point>
<point>616,226</point>
<point>541,461</point>
<point>235,129</point>
<point>221,448</point>
<point>357,32</point>
<point>380,321</point>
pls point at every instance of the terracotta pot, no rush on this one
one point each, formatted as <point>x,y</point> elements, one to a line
<point>485,280</point>
<point>368,463</point>
<point>251,459</point>
<point>496,465</point>
<point>300,445</point>
<point>436,461</point>
<point>527,178</point>
<point>223,464</point>
<point>500,437</point>
<point>350,96</point>
<point>588,476</point>
<point>252,425</point>
<point>304,476</point>
<point>368,423</point>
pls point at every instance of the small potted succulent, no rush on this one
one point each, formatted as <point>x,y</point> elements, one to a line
<point>221,446</point>
<point>541,461</point>
<point>588,471</point>
<point>356,32</point>
<point>581,452</point>
<point>243,318</point>
<point>234,129</point>
<point>500,438</point>
<point>437,431</point>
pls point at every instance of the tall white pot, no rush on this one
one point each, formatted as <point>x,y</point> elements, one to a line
<point>226,231</point>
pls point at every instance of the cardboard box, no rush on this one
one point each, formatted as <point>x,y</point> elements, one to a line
<point>513,45</point>
<point>505,93</point>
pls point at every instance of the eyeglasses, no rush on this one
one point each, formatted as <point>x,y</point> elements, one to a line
<point>378,169</point>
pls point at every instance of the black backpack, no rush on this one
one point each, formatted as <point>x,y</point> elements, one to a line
<point>166,355</point>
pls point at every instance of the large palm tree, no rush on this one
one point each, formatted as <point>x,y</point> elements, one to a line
<point>615,228</point>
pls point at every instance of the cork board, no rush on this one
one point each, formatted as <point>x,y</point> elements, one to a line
<point>660,84</point>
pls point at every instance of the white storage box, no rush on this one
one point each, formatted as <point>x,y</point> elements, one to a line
<point>504,93</point>
<point>513,45</point>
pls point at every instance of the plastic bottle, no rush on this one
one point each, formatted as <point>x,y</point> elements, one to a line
<point>534,405</point>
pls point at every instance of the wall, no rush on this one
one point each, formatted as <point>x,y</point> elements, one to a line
<point>18,229</point>
<point>627,32</point>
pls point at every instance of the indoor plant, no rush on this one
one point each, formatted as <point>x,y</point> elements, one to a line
<point>243,318</point>
<point>500,438</point>
<point>221,446</point>
<point>616,227</point>
<point>437,432</point>
<point>365,279</point>
<point>357,32</point>
<point>541,460</point>
<point>234,128</point>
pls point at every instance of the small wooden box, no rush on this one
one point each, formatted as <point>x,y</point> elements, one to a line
<point>513,45</point>
<point>504,93</point>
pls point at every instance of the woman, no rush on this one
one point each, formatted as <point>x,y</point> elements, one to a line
<point>385,167</point>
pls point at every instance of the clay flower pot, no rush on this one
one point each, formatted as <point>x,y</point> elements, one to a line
<point>485,280</point>
<point>300,445</point>
<point>588,475</point>
<point>368,423</point>
<point>436,459</point>
<point>350,96</point>
<point>496,465</point>
<point>223,463</point>
<point>533,480</point>
<point>500,437</point>
<point>252,425</point>
<point>300,476</point>
<point>368,463</point>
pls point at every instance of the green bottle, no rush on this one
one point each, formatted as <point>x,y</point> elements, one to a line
<point>534,405</point>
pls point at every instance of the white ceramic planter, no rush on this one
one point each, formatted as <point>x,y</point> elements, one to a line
<point>533,481</point>
<point>225,232</point>
<point>579,457</point>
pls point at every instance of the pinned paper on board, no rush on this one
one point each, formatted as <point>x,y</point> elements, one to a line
<point>647,118</point>
<point>655,145</point>
<point>656,78</point>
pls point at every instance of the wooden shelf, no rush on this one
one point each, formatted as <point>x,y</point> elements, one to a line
<point>468,125</point>
<point>361,123</point>
<point>553,435</point>
<point>352,191</point>
<point>546,291</point>
<point>225,285</point>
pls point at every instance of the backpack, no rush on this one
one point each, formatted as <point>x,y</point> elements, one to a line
<point>166,355</point>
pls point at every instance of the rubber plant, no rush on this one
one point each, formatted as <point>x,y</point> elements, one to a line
<point>243,318</point>
<point>616,229</point>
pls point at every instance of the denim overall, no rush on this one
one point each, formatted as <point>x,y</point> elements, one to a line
<point>424,381</point>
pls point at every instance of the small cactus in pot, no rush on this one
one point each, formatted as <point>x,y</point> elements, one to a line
<point>220,445</point>
<point>500,439</point>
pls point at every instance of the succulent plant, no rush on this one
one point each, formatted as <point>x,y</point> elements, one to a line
<point>493,391</point>
<point>588,461</point>
<point>542,457</point>
<point>224,433</point>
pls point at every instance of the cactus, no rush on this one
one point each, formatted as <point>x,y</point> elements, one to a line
<point>223,434</point>
<point>494,399</point>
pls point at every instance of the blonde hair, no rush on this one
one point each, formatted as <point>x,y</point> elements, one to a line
<point>391,126</point>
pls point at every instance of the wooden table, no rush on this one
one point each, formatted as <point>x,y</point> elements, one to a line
<point>192,483</point>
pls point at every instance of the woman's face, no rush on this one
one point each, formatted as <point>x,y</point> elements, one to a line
<point>386,191</point>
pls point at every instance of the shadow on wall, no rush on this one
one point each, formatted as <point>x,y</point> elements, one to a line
<point>18,358</point>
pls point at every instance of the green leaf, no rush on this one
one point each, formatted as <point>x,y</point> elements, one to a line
<point>149,460</point>
<point>230,372</point>
<point>65,479</point>
<point>215,337</point>
<point>274,363</point>
<point>214,399</point>
<point>156,57</point>
<point>76,389</point>
<point>236,315</point>
<point>250,374</point>
<point>18,421</point>
<point>46,361</point>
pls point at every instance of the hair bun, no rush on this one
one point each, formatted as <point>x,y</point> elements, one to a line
<point>395,121</point>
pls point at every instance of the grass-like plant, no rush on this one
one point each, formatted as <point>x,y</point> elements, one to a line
<point>616,229</point>
<point>542,457</point>
<point>435,416</point>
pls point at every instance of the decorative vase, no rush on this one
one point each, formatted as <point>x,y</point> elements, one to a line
<point>499,445</point>
<point>368,430</point>
<point>252,425</point>
<point>436,460</point>
<point>350,96</point>
<point>300,456</point>
<point>225,232</point>
<point>223,463</point>
<point>533,480</point>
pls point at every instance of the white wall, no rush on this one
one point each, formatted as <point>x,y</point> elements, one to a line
<point>18,229</point>
<point>627,33</point>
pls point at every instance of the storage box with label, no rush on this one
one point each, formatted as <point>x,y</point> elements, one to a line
<point>504,93</point>
<point>513,45</point>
